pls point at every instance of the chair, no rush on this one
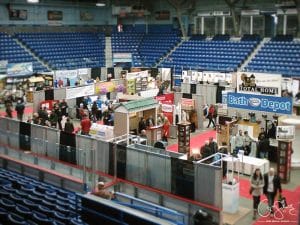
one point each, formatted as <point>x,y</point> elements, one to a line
<point>61,217</point>
<point>23,211</point>
<point>7,204</point>
<point>43,209</point>
<point>3,215</point>
<point>30,204</point>
<point>16,198</point>
<point>14,219</point>
<point>41,218</point>
<point>76,221</point>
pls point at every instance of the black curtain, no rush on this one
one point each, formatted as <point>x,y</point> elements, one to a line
<point>182,178</point>
<point>193,88</point>
<point>67,147</point>
<point>219,94</point>
<point>49,94</point>
<point>186,95</point>
<point>25,136</point>
<point>96,72</point>
<point>121,160</point>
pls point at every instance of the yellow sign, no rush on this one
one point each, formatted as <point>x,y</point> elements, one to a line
<point>101,87</point>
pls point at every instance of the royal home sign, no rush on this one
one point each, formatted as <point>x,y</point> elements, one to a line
<point>278,105</point>
<point>259,83</point>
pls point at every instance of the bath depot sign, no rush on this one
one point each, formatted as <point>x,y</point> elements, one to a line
<point>260,103</point>
<point>259,83</point>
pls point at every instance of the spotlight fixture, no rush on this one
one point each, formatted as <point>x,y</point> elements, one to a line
<point>33,1</point>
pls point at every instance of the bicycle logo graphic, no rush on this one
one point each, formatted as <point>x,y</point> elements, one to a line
<point>278,213</point>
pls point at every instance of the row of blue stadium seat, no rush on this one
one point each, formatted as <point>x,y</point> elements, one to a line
<point>35,201</point>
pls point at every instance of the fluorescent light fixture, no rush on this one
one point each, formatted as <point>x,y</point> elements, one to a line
<point>33,1</point>
<point>100,4</point>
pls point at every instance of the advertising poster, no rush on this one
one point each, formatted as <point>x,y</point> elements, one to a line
<point>131,86</point>
<point>19,69</point>
<point>280,105</point>
<point>104,87</point>
<point>285,132</point>
<point>64,74</point>
<point>259,83</point>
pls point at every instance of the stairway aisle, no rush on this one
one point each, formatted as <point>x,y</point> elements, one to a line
<point>252,55</point>
<point>108,52</point>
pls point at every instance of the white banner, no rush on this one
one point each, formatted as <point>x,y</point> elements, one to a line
<point>167,108</point>
<point>83,71</point>
<point>259,83</point>
<point>65,73</point>
<point>80,91</point>
<point>134,75</point>
<point>213,77</point>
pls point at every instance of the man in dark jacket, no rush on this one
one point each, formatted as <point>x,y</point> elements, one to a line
<point>272,186</point>
<point>20,110</point>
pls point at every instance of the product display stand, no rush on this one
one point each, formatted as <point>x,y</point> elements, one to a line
<point>231,189</point>
<point>184,133</point>
<point>284,160</point>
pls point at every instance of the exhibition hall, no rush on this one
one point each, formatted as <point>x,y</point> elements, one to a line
<point>145,113</point>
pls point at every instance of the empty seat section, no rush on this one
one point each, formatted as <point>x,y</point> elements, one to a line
<point>279,55</point>
<point>14,53</point>
<point>67,50</point>
<point>219,54</point>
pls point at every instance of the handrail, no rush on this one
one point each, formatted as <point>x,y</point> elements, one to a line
<point>157,210</point>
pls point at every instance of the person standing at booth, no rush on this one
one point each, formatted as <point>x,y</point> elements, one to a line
<point>257,184</point>
<point>85,125</point>
<point>239,142</point>
<point>272,186</point>
<point>247,143</point>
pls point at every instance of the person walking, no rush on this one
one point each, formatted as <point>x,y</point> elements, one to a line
<point>272,186</point>
<point>211,116</point>
<point>257,184</point>
<point>20,110</point>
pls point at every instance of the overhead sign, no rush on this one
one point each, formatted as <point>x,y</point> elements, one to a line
<point>122,57</point>
<point>263,103</point>
<point>19,69</point>
<point>259,83</point>
<point>81,91</point>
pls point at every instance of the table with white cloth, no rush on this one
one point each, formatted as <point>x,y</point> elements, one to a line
<point>247,164</point>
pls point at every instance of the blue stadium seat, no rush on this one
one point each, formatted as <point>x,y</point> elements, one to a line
<point>14,219</point>
<point>23,211</point>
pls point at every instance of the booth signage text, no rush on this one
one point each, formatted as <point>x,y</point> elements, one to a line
<point>260,103</point>
<point>259,83</point>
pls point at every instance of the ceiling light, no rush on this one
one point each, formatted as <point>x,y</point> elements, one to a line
<point>100,4</point>
<point>33,1</point>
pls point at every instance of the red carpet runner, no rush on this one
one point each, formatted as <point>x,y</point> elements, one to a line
<point>196,141</point>
<point>288,216</point>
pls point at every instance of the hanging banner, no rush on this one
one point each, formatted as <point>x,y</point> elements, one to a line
<point>81,91</point>
<point>168,112</point>
<point>122,57</point>
<point>259,83</point>
<point>104,87</point>
<point>64,74</point>
<point>166,98</point>
<point>19,69</point>
<point>263,103</point>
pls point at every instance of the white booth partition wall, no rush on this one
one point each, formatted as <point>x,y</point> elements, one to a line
<point>4,133</point>
<point>208,184</point>
<point>146,165</point>
<point>13,137</point>
<point>38,139</point>
<point>52,143</point>
<point>59,93</point>
<point>38,96</point>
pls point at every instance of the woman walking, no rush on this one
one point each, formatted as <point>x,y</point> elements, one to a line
<point>257,184</point>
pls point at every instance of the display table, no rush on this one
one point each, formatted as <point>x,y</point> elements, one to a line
<point>230,195</point>
<point>154,134</point>
<point>247,164</point>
